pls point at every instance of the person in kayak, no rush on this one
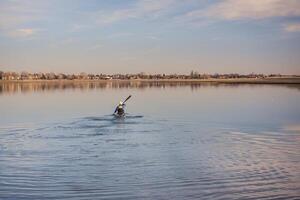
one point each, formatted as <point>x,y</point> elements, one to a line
<point>120,109</point>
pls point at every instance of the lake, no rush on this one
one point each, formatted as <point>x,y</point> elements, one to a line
<point>181,140</point>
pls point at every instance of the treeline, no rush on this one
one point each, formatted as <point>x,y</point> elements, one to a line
<point>84,76</point>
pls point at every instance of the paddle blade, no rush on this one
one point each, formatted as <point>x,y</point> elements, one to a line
<point>127,98</point>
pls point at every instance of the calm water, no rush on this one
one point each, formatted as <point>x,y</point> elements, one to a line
<point>178,141</point>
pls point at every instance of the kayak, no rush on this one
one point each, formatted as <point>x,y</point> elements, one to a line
<point>119,115</point>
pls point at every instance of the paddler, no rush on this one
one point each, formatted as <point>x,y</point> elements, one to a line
<point>120,109</point>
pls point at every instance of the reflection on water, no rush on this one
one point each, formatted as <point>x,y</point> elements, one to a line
<point>102,157</point>
<point>13,87</point>
<point>221,142</point>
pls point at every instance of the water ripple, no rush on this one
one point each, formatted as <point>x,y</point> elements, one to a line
<point>143,158</point>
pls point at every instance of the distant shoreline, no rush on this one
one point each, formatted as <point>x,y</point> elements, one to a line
<point>277,80</point>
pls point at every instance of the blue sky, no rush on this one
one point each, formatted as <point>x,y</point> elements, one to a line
<point>163,36</point>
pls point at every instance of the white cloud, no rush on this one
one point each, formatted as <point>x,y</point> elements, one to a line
<point>114,16</point>
<point>152,6</point>
<point>293,27</point>
<point>248,9</point>
<point>16,12</point>
<point>120,35</point>
<point>22,33</point>
<point>152,37</point>
<point>16,15</point>
<point>141,9</point>
<point>96,46</point>
<point>78,27</point>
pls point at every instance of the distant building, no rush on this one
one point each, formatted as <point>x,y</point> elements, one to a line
<point>10,76</point>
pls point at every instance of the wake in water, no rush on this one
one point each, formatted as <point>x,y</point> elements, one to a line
<point>98,125</point>
<point>113,118</point>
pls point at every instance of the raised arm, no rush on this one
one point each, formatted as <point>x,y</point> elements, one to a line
<point>116,109</point>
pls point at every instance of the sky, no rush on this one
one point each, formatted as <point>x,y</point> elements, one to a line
<point>151,36</point>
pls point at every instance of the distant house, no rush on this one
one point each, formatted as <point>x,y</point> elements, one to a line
<point>61,76</point>
<point>10,76</point>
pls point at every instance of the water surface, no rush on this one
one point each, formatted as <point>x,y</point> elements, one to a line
<point>178,141</point>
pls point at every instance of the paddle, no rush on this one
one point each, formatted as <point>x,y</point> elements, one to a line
<point>126,99</point>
